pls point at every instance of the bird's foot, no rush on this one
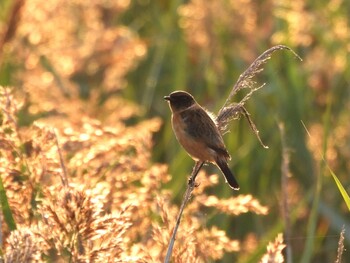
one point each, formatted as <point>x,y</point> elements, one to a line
<point>192,183</point>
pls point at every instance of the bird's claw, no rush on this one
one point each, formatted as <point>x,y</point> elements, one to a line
<point>192,183</point>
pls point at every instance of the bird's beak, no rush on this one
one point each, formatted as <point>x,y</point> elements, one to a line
<point>167,98</point>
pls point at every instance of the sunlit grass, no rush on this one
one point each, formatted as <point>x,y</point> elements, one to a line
<point>98,73</point>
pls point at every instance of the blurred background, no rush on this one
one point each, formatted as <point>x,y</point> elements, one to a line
<point>58,52</point>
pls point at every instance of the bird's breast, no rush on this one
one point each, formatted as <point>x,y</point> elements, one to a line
<point>195,147</point>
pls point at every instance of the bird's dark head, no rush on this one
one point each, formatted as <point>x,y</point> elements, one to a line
<point>180,100</point>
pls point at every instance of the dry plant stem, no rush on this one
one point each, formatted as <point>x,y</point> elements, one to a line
<point>64,170</point>
<point>233,112</point>
<point>12,24</point>
<point>284,185</point>
<point>190,186</point>
<point>252,126</point>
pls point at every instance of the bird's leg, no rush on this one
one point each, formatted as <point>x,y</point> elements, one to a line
<point>196,168</point>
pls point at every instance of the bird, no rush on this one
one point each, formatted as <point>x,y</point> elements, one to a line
<point>197,132</point>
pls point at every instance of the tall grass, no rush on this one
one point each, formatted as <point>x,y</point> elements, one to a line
<point>98,73</point>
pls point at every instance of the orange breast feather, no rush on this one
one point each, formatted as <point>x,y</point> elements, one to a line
<point>196,148</point>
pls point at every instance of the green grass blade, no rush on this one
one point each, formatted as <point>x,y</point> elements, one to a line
<point>340,187</point>
<point>6,208</point>
<point>312,223</point>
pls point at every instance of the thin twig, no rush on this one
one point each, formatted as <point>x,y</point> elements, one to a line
<point>252,126</point>
<point>63,175</point>
<point>190,186</point>
<point>12,24</point>
<point>284,185</point>
<point>233,112</point>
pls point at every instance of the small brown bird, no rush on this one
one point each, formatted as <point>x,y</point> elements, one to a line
<point>198,134</point>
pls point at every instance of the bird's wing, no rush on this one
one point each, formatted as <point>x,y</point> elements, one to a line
<point>201,127</point>
<point>221,151</point>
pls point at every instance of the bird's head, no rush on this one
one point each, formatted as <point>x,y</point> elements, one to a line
<point>180,100</point>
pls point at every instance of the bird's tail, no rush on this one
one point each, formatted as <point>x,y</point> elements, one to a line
<point>230,178</point>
